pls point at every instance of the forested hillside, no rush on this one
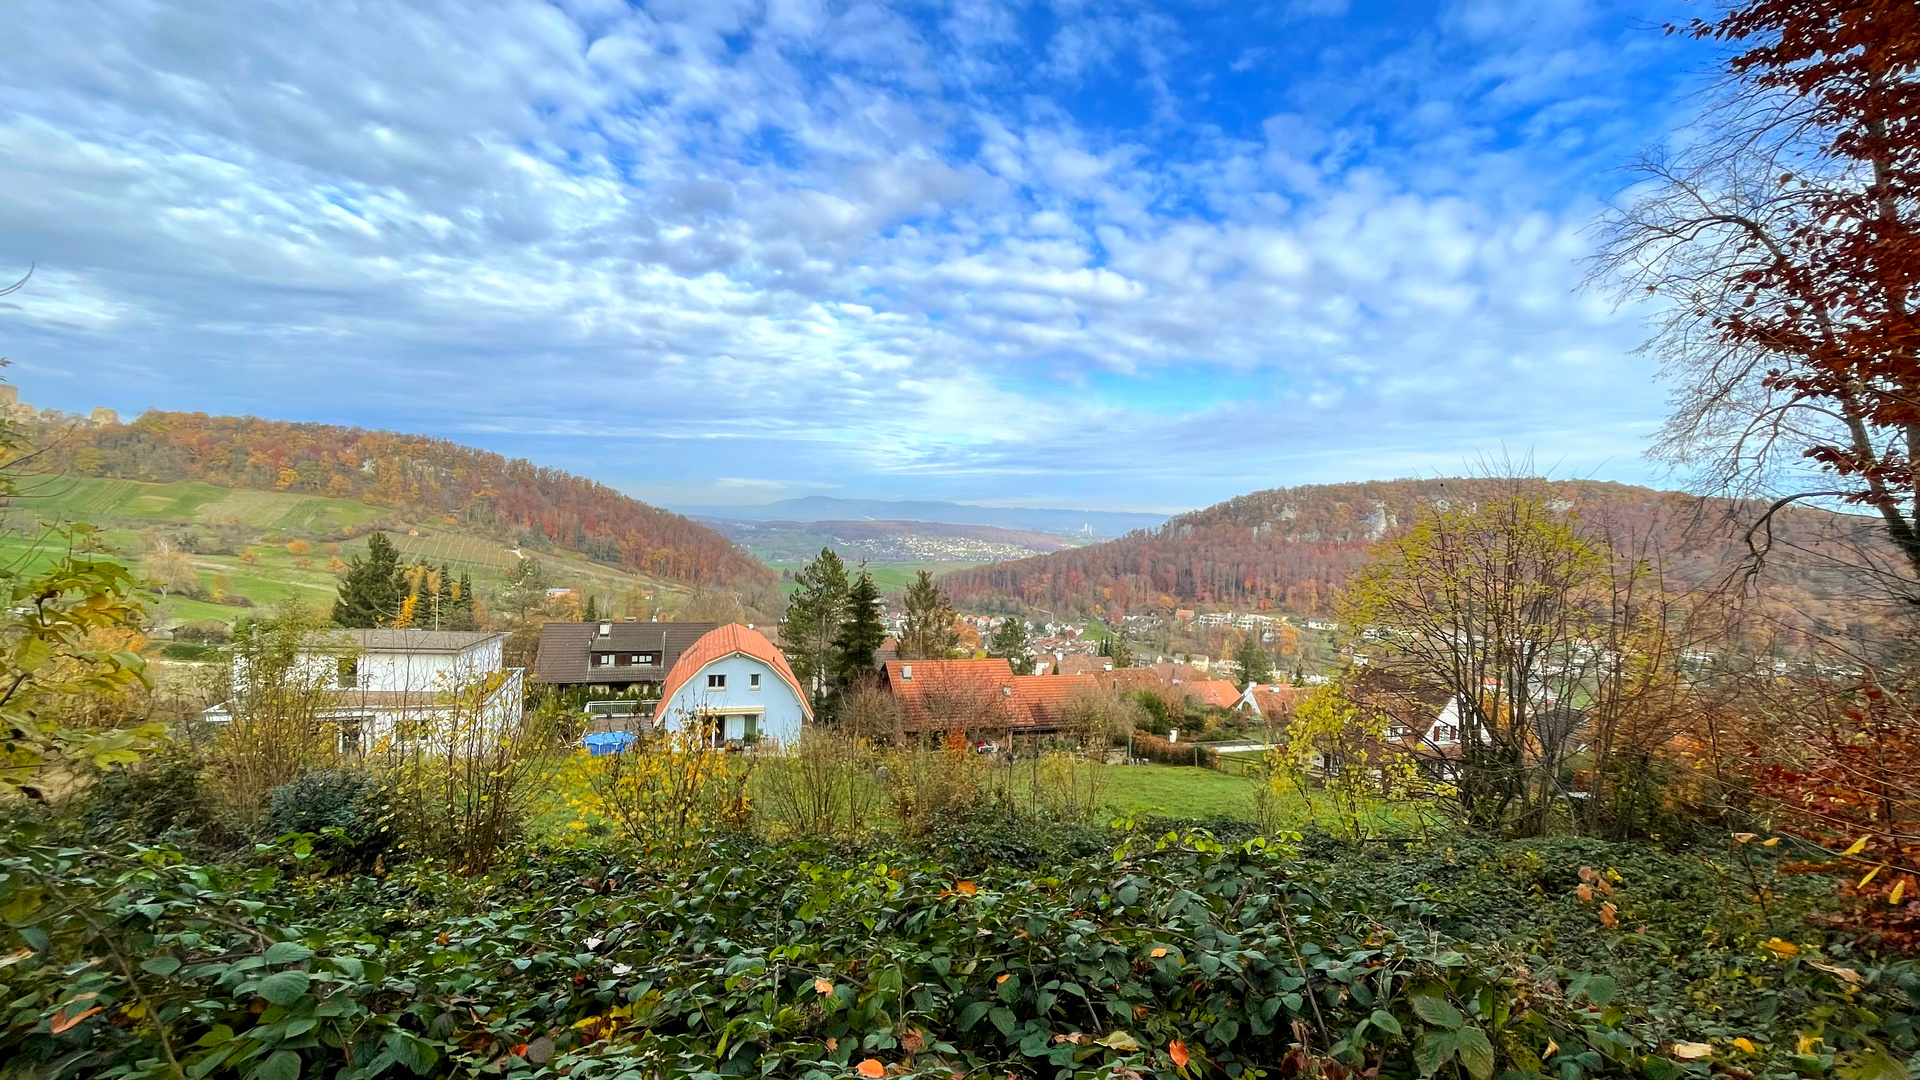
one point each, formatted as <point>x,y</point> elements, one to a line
<point>1290,549</point>
<point>513,499</point>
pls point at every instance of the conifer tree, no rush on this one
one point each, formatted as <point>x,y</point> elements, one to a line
<point>1012,643</point>
<point>370,590</point>
<point>929,634</point>
<point>862,632</point>
<point>812,621</point>
<point>463,612</point>
<point>593,608</point>
<point>1256,664</point>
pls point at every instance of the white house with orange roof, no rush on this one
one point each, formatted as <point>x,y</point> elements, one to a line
<point>735,687</point>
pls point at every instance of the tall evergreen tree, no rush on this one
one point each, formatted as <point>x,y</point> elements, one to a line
<point>593,608</point>
<point>1116,649</point>
<point>861,634</point>
<point>812,620</point>
<point>1256,664</point>
<point>463,617</point>
<point>929,634</point>
<point>1012,643</point>
<point>370,590</point>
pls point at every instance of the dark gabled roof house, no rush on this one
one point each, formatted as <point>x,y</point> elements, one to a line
<point>613,653</point>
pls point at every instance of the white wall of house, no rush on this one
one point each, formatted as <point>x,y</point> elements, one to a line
<point>772,710</point>
<point>396,670</point>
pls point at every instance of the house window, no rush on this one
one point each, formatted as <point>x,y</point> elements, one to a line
<point>348,675</point>
<point>350,737</point>
<point>753,682</point>
<point>716,682</point>
<point>1397,731</point>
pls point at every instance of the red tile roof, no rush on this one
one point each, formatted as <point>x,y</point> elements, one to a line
<point>980,694</point>
<point>1218,693</point>
<point>1039,700</point>
<point>931,692</point>
<point>732,639</point>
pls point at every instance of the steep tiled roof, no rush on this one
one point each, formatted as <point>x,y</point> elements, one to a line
<point>930,692</point>
<point>936,694</point>
<point>567,648</point>
<point>1039,700</point>
<point>1276,702</point>
<point>731,639</point>
<point>1218,693</point>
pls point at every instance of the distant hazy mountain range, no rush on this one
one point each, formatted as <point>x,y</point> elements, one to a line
<point>1088,524</point>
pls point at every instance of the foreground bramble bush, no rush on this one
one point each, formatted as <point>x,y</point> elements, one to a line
<point>1173,955</point>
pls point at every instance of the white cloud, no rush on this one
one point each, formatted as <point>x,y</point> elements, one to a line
<point>822,242</point>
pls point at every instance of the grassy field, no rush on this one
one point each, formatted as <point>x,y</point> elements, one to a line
<point>891,577</point>
<point>1141,790</point>
<point>127,512</point>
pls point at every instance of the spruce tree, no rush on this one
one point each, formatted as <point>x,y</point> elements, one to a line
<point>1256,664</point>
<point>812,620</point>
<point>862,632</point>
<point>593,609</point>
<point>929,634</point>
<point>1012,643</point>
<point>370,589</point>
<point>463,614</point>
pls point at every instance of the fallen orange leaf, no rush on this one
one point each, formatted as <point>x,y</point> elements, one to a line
<point>1001,979</point>
<point>1157,953</point>
<point>965,887</point>
<point>823,986</point>
<point>1177,1050</point>
<point>872,1069</point>
<point>1609,915</point>
<point>66,1023</point>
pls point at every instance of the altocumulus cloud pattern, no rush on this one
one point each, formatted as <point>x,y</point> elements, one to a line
<point>1118,254</point>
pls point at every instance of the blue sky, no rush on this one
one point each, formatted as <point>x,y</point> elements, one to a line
<point>1085,253</point>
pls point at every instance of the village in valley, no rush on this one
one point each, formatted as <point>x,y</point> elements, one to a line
<point>960,540</point>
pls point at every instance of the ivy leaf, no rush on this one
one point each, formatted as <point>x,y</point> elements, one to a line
<point>1871,1063</point>
<point>1003,1019</point>
<point>1476,1053</point>
<point>280,1065</point>
<point>283,987</point>
<point>1384,1020</point>
<point>971,1015</point>
<point>1431,1006</point>
<point>287,952</point>
<point>1434,1049</point>
<point>1600,989</point>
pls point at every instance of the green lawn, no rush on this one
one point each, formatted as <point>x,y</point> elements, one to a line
<point>1146,790</point>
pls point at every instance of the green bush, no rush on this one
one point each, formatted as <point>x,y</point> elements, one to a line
<point>326,800</point>
<point>1163,953</point>
<point>163,798</point>
<point>1154,748</point>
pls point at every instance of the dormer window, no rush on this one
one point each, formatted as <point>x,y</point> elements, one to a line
<point>606,629</point>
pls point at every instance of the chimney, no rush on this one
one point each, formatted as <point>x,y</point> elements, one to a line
<point>906,672</point>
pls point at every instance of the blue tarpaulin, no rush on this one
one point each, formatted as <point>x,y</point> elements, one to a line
<point>607,742</point>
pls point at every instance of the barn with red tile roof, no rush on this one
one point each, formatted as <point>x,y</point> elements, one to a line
<point>736,687</point>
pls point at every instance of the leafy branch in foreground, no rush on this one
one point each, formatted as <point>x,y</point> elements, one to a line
<point>67,632</point>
